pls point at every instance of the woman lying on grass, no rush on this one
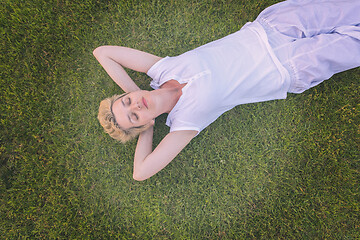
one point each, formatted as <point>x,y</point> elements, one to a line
<point>291,47</point>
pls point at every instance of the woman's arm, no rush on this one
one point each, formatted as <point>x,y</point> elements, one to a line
<point>114,58</point>
<point>148,162</point>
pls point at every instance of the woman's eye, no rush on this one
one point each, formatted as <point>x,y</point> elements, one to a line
<point>129,101</point>
<point>135,117</point>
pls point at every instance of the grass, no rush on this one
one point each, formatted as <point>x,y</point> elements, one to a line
<point>285,169</point>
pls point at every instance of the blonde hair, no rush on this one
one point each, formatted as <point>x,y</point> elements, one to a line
<point>108,121</point>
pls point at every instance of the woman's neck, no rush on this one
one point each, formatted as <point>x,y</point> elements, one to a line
<point>172,84</point>
<point>171,93</point>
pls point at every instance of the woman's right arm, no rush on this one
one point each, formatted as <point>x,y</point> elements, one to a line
<point>114,58</point>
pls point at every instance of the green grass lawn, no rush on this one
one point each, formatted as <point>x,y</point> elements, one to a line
<point>286,169</point>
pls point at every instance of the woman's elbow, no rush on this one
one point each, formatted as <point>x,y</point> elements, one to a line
<point>103,51</point>
<point>141,174</point>
<point>98,51</point>
<point>139,177</point>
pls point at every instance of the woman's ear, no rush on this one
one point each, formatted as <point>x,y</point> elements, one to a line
<point>152,122</point>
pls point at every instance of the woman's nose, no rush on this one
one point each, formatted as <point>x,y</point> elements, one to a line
<point>136,106</point>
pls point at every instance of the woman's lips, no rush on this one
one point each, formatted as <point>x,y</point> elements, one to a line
<point>144,102</point>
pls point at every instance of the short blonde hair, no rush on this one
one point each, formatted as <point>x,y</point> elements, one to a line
<point>108,121</point>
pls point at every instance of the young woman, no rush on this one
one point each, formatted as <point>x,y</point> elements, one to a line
<point>291,47</point>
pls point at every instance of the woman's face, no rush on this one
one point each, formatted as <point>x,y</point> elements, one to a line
<point>134,109</point>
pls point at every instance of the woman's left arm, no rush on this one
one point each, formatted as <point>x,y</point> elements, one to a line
<point>148,162</point>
